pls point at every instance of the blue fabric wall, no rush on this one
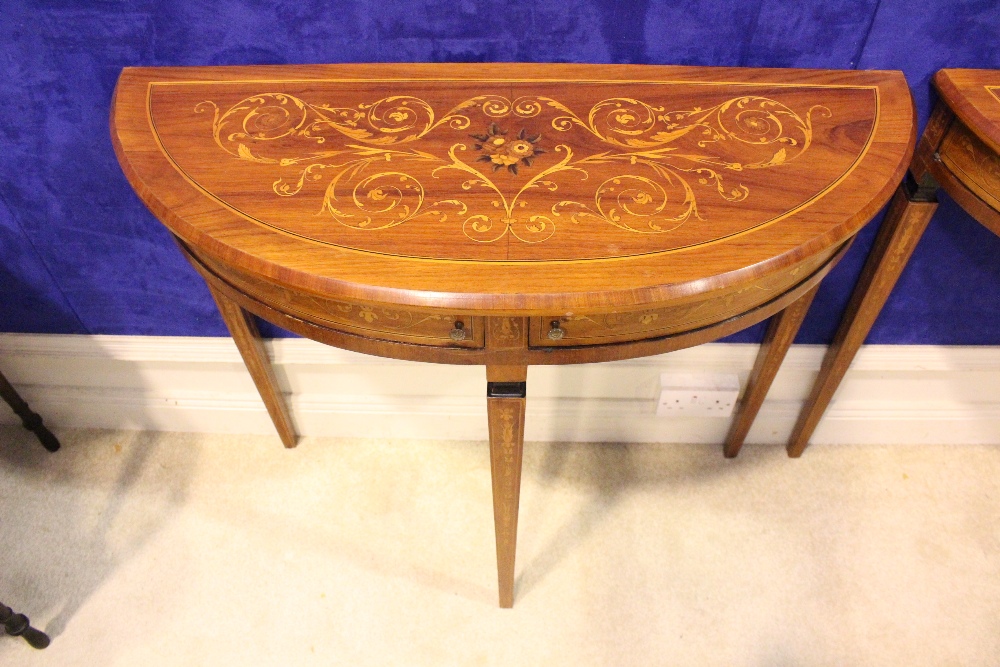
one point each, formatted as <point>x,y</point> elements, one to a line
<point>80,254</point>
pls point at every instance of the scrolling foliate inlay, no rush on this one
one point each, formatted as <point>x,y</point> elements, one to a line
<point>363,156</point>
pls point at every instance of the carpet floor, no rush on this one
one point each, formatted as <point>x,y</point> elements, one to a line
<point>141,548</point>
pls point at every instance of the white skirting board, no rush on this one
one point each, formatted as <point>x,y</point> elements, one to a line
<point>893,394</point>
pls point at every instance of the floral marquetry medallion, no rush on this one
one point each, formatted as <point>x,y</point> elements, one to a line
<point>513,170</point>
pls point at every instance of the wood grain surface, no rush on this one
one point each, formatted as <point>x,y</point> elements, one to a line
<point>964,148</point>
<point>644,184</point>
<point>506,336</point>
<point>902,228</point>
<point>243,329</point>
<point>510,215</point>
<point>506,426</point>
<point>973,95</point>
<point>777,340</point>
<point>959,152</point>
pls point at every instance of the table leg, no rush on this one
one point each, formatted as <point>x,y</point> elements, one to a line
<point>780,334</point>
<point>904,224</point>
<point>244,332</point>
<point>505,400</point>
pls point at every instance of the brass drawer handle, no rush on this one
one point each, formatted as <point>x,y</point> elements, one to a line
<point>556,333</point>
<point>458,333</point>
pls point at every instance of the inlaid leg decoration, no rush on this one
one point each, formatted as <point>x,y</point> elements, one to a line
<point>29,419</point>
<point>904,224</point>
<point>18,625</point>
<point>244,332</point>
<point>780,334</point>
<point>505,399</point>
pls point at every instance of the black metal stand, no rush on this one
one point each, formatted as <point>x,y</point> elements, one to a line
<point>31,421</point>
<point>18,625</point>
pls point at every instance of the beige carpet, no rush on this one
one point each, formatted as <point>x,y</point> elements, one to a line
<point>181,549</point>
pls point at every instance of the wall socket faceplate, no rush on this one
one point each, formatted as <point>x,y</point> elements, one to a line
<point>697,394</point>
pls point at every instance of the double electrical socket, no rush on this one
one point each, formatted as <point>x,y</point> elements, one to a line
<point>697,394</point>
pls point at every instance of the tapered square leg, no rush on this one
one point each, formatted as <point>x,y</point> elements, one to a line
<point>902,228</point>
<point>779,337</point>
<point>248,340</point>
<point>505,401</point>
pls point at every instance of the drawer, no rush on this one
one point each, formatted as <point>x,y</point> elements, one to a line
<point>620,327</point>
<point>972,162</point>
<point>604,328</point>
<point>372,321</point>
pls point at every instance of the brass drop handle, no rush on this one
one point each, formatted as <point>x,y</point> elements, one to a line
<point>556,333</point>
<point>458,333</point>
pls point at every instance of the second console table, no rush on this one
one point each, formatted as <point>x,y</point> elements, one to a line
<point>509,215</point>
<point>959,152</point>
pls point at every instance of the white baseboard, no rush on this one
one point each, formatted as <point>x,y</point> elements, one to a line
<point>892,394</point>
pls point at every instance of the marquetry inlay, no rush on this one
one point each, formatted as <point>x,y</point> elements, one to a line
<point>511,215</point>
<point>499,171</point>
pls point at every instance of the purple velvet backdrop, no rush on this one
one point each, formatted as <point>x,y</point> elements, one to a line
<point>80,254</point>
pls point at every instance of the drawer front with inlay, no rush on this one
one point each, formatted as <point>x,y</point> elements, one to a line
<point>974,163</point>
<point>373,321</point>
<point>621,327</point>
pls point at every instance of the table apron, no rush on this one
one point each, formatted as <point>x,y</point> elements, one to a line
<point>518,350</point>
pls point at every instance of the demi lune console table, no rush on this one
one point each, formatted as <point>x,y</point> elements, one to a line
<point>511,214</point>
<point>959,152</point>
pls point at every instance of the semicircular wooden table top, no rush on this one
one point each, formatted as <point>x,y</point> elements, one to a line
<point>610,186</point>
<point>512,214</point>
<point>959,152</point>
